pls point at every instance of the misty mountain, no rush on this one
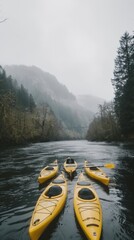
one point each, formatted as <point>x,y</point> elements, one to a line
<point>90,103</point>
<point>45,88</point>
<point>39,82</point>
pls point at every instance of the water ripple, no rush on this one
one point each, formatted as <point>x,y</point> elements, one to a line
<point>20,190</point>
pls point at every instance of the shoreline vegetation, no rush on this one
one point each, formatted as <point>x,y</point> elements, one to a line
<point>22,121</point>
<point>115,120</point>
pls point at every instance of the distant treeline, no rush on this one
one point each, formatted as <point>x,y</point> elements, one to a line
<point>115,120</point>
<point>20,120</point>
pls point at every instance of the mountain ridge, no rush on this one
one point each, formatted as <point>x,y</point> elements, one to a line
<point>54,87</point>
<point>45,88</point>
<point>23,74</point>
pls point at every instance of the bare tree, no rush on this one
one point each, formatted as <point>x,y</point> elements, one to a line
<point>3,20</point>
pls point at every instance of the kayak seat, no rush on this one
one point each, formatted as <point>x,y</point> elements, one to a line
<point>86,194</point>
<point>70,160</point>
<point>53,191</point>
<point>49,168</point>
<point>58,181</point>
<point>83,183</point>
<point>93,168</point>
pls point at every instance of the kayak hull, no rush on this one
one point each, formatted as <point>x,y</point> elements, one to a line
<point>88,211</point>
<point>96,173</point>
<point>47,208</point>
<point>48,172</point>
<point>70,168</point>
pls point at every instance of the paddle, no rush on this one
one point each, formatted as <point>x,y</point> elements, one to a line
<point>107,165</point>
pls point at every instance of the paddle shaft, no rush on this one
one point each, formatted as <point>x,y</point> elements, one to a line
<point>108,165</point>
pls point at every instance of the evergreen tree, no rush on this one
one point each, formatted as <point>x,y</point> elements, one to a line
<point>123,83</point>
<point>32,104</point>
<point>127,109</point>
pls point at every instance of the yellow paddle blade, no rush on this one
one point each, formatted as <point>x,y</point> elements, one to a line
<point>109,165</point>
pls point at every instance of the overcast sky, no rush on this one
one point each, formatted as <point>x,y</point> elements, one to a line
<point>75,40</point>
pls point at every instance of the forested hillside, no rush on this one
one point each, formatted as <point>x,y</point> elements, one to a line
<point>115,121</point>
<point>46,89</point>
<point>20,119</point>
<point>39,82</point>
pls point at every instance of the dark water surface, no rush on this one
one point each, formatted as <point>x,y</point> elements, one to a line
<point>19,189</point>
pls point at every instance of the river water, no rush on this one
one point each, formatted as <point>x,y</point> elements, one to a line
<point>19,189</point>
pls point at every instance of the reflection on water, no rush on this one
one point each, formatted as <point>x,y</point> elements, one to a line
<point>19,169</point>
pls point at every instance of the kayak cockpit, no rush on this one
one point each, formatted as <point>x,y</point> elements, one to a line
<point>49,168</point>
<point>53,191</point>
<point>86,194</point>
<point>94,168</point>
<point>70,160</point>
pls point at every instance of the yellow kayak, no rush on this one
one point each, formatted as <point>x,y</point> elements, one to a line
<point>96,173</point>
<point>48,206</point>
<point>88,208</point>
<point>48,172</point>
<point>70,166</point>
